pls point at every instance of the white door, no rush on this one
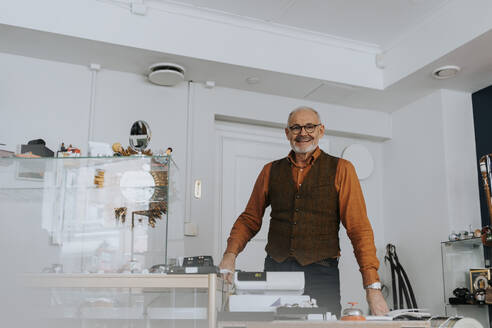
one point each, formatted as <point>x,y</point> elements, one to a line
<point>243,153</point>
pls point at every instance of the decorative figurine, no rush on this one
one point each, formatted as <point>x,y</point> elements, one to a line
<point>120,151</point>
<point>120,213</point>
<point>453,236</point>
<point>155,212</point>
<point>71,151</point>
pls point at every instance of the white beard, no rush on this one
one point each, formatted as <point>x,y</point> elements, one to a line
<point>308,149</point>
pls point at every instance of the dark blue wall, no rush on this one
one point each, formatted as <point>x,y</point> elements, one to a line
<point>482,117</point>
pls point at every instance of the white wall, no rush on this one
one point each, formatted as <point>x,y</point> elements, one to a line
<point>51,100</point>
<point>461,166</point>
<point>43,99</point>
<point>429,186</point>
<point>423,186</point>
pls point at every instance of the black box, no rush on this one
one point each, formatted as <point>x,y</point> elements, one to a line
<point>40,150</point>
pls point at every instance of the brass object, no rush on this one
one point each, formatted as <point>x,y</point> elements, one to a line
<point>120,151</point>
<point>99,178</point>
<point>155,212</point>
<point>486,175</point>
<point>117,148</point>
<point>488,295</point>
<point>157,203</point>
<point>120,214</point>
<point>479,279</point>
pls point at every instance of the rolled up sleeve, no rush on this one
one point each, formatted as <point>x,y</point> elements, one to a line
<point>249,222</point>
<point>353,215</point>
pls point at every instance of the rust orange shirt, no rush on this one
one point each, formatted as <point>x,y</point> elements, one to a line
<point>353,214</point>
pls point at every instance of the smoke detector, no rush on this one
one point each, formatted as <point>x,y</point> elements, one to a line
<point>166,74</point>
<point>446,72</point>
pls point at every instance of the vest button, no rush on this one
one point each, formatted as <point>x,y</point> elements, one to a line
<point>298,196</point>
<point>297,210</point>
<point>291,251</point>
<point>294,223</point>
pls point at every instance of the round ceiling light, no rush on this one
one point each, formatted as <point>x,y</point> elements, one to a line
<point>446,72</point>
<point>166,74</point>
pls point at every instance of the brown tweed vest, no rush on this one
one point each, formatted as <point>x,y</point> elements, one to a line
<point>304,224</point>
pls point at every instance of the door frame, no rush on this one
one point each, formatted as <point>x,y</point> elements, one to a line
<point>244,132</point>
<point>235,131</point>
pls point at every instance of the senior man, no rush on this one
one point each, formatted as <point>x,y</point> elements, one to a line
<point>310,192</point>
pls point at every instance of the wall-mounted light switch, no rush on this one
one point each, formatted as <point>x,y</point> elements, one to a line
<point>198,189</point>
<point>190,229</point>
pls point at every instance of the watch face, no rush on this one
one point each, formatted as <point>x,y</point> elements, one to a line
<point>376,285</point>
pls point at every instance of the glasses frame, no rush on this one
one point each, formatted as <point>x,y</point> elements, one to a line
<point>303,127</point>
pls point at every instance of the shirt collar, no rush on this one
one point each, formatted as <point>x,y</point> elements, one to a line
<point>314,156</point>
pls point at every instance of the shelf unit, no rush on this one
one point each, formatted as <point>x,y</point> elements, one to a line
<point>145,283</point>
<point>458,257</point>
<point>81,259</point>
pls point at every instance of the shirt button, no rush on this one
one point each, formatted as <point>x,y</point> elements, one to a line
<point>298,196</point>
<point>294,223</point>
<point>297,210</point>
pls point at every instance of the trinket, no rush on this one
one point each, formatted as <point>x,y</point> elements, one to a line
<point>120,213</point>
<point>99,178</point>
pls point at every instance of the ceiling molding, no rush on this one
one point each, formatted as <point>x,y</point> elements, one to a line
<point>204,35</point>
<point>217,16</point>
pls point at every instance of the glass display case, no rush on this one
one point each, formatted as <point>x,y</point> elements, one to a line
<point>98,215</point>
<point>84,233</point>
<point>458,257</point>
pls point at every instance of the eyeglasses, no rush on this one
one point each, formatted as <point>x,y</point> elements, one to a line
<point>309,128</point>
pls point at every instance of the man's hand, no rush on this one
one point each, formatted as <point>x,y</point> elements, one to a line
<point>228,263</point>
<point>376,302</point>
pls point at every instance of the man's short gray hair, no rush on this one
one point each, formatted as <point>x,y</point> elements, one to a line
<point>301,108</point>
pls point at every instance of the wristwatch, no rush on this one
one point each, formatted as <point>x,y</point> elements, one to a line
<point>374,285</point>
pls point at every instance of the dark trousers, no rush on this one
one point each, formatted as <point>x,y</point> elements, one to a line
<point>322,281</point>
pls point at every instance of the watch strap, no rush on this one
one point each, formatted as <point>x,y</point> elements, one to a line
<point>374,285</point>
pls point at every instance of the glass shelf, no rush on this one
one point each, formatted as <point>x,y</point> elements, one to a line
<point>458,257</point>
<point>59,218</point>
<point>69,205</point>
<point>469,241</point>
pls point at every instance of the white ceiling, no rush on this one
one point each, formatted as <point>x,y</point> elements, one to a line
<point>458,33</point>
<point>378,22</point>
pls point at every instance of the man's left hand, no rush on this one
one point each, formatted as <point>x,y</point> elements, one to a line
<point>376,302</point>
